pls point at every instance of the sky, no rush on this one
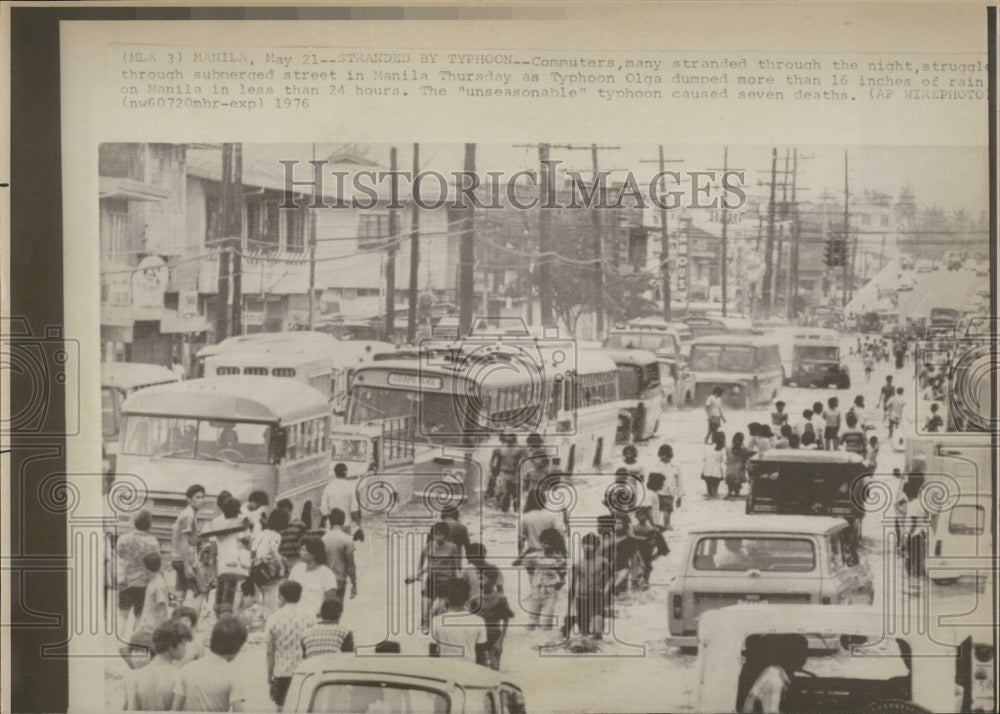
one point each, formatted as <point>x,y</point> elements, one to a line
<point>947,177</point>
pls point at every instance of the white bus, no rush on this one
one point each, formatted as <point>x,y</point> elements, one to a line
<point>240,434</point>
<point>641,393</point>
<point>316,359</point>
<point>410,422</point>
<point>118,381</point>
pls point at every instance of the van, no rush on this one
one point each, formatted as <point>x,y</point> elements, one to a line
<point>764,559</point>
<point>961,540</point>
<point>666,342</point>
<point>747,367</point>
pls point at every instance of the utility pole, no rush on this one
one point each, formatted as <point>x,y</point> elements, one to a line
<point>411,325</point>
<point>544,281</point>
<point>881,255</point>
<point>225,246</point>
<point>664,241</point>
<point>725,236</point>
<point>595,213</point>
<point>390,259</point>
<point>236,231</point>
<point>467,255</point>
<point>847,233</point>
<point>781,233</point>
<point>777,262</point>
<point>766,296</point>
<point>312,254</point>
<point>793,259</point>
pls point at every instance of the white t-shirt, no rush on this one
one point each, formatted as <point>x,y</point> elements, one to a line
<point>314,584</point>
<point>234,556</point>
<point>713,407</point>
<point>340,493</point>
<point>458,634</point>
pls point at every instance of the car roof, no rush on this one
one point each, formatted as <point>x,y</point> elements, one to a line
<point>739,340</point>
<point>128,375</point>
<point>811,525</point>
<point>740,621</point>
<point>438,670</point>
<point>627,356</point>
<point>807,456</point>
<point>232,398</point>
<point>814,332</point>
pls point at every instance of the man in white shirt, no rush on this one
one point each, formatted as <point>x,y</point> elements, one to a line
<point>341,493</point>
<point>456,631</point>
<point>713,410</point>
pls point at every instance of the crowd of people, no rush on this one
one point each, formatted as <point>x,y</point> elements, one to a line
<point>822,427</point>
<point>289,576</point>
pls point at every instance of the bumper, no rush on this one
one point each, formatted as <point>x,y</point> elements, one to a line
<point>682,641</point>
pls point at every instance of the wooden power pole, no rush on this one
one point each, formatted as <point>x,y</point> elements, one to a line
<point>411,324</point>
<point>467,255</point>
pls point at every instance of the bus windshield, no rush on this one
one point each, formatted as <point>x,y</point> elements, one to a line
<point>178,437</point>
<point>651,341</point>
<point>722,358</point>
<point>824,353</point>
<point>441,415</point>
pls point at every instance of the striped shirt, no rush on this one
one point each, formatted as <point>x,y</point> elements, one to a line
<point>325,638</point>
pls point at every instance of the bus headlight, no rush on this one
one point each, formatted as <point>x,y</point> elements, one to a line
<point>736,389</point>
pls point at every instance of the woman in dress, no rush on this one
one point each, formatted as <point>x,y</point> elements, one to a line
<point>713,470</point>
<point>737,456</point>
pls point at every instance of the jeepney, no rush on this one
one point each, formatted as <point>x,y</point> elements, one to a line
<point>808,483</point>
<point>853,659</point>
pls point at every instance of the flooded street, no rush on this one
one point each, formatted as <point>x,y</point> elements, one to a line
<point>635,656</point>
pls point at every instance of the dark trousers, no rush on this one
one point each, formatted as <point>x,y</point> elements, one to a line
<point>226,586</point>
<point>279,690</point>
<point>712,484</point>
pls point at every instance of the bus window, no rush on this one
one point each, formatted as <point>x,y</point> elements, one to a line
<point>231,440</point>
<point>293,448</point>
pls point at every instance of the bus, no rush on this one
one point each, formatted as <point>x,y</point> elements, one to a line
<point>234,433</point>
<point>307,364</point>
<point>118,381</point>
<point>324,364</point>
<point>415,422</point>
<point>811,358</point>
<point>304,338</point>
<point>747,367</point>
<point>640,392</point>
<point>666,343</point>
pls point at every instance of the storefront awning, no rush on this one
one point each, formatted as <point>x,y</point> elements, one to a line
<point>113,187</point>
<point>174,324</point>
